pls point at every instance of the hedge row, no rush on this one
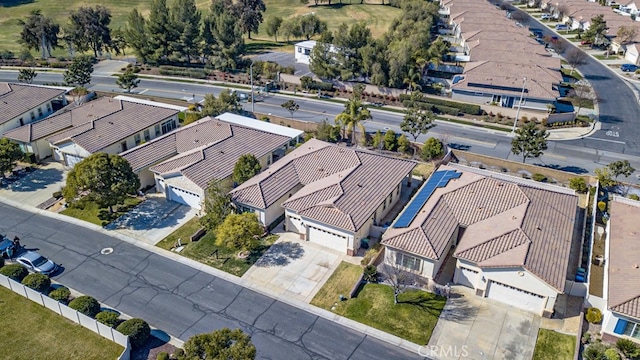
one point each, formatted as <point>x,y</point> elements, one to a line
<point>320,85</point>
<point>470,109</point>
<point>438,109</point>
<point>192,73</point>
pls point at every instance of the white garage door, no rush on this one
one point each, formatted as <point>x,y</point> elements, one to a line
<point>515,297</point>
<point>72,160</point>
<point>183,197</point>
<point>328,239</point>
<point>466,277</point>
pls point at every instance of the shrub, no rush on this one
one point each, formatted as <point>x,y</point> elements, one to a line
<point>370,273</point>
<point>612,354</point>
<point>178,353</point>
<point>85,305</point>
<point>539,177</point>
<point>628,348</point>
<point>634,197</point>
<point>57,194</point>
<point>594,352</point>
<point>109,318</point>
<point>431,149</point>
<point>15,272</point>
<point>162,356</point>
<point>602,206</point>
<point>60,294</point>
<point>586,338</point>
<point>471,109</point>
<point>137,329</point>
<point>594,315</point>
<point>578,184</point>
<point>38,282</point>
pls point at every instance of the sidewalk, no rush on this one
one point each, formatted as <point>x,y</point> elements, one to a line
<point>328,315</point>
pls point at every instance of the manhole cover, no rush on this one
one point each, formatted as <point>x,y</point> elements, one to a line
<point>106,251</point>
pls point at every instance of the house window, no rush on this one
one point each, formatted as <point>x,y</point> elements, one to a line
<point>157,129</point>
<point>33,116</point>
<point>48,107</point>
<point>124,146</point>
<point>168,126</point>
<point>137,139</point>
<point>147,135</point>
<point>633,330</point>
<point>40,112</point>
<point>300,50</point>
<point>408,262</point>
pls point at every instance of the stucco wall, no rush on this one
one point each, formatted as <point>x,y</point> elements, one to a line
<point>26,117</point>
<point>146,177</point>
<point>427,266</point>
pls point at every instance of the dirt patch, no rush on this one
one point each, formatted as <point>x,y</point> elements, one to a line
<point>306,126</point>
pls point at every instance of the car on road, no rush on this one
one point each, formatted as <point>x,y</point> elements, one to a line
<point>629,67</point>
<point>377,104</point>
<point>36,263</point>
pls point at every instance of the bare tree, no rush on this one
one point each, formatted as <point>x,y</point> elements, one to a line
<point>561,11</point>
<point>398,278</point>
<point>520,16</point>
<point>626,34</point>
<point>582,95</point>
<point>535,3</point>
<point>575,57</point>
<point>560,46</point>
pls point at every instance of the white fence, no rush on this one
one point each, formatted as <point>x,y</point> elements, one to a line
<point>78,318</point>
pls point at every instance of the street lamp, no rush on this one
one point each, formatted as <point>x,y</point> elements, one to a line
<point>253,101</point>
<point>515,122</point>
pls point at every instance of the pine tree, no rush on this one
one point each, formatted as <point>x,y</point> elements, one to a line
<point>136,36</point>
<point>187,21</point>
<point>161,31</point>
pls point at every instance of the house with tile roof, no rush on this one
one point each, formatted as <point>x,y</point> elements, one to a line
<point>22,104</point>
<point>511,239</point>
<point>328,194</point>
<point>621,286</point>
<point>182,163</point>
<point>120,125</point>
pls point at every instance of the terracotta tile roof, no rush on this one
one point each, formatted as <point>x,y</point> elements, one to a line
<point>131,119</point>
<point>337,186</point>
<point>70,116</point>
<point>502,224</point>
<point>623,292</point>
<point>17,99</point>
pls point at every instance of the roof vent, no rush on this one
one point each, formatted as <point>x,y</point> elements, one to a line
<point>360,185</point>
<point>110,122</point>
<point>539,228</point>
<point>514,218</point>
<point>221,152</point>
<point>320,169</point>
<point>635,266</point>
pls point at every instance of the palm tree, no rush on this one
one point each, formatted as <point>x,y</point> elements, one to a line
<point>413,78</point>
<point>354,114</point>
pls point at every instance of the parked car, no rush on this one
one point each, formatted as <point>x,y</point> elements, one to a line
<point>545,17</point>
<point>37,263</point>
<point>7,247</point>
<point>585,42</point>
<point>561,27</point>
<point>628,67</point>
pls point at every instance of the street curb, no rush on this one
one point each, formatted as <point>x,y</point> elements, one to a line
<point>325,314</point>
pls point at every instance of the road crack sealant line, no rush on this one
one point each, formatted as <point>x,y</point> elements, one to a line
<point>327,315</point>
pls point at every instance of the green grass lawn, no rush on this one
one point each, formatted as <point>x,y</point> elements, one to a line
<point>413,318</point>
<point>340,283</point>
<point>551,345</point>
<point>377,17</point>
<point>573,74</point>
<point>30,331</point>
<point>91,213</point>
<point>206,251</point>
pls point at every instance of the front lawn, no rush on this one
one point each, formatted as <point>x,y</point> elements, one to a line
<point>206,251</point>
<point>30,331</point>
<point>552,345</point>
<point>90,212</point>
<point>340,283</point>
<point>413,318</point>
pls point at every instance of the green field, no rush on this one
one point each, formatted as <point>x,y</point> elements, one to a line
<point>378,17</point>
<point>30,331</point>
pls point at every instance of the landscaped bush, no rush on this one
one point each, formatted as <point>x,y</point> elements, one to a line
<point>108,318</point>
<point>471,109</point>
<point>628,348</point>
<point>634,197</point>
<point>60,294</point>
<point>137,329</point>
<point>438,109</point>
<point>85,305</point>
<point>15,272</point>
<point>370,273</point>
<point>612,354</point>
<point>431,149</point>
<point>539,177</point>
<point>162,356</point>
<point>594,315</point>
<point>38,282</point>
<point>578,184</point>
<point>594,352</point>
<point>57,194</point>
<point>602,206</point>
<point>178,353</point>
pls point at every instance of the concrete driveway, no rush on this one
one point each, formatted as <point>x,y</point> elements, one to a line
<point>36,187</point>
<point>153,219</point>
<point>472,327</point>
<point>294,268</point>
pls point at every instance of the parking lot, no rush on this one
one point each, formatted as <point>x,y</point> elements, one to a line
<point>34,187</point>
<point>285,59</point>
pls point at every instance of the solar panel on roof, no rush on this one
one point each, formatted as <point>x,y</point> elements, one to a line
<point>437,180</point>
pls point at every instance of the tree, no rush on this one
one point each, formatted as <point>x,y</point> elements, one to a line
<point>89,29</point>
<point>273,26</point>
<point>249,14</point>
<point>239,232</point>
<point>10,152</point>
<point>128,80</point>
<point>322,59</point>
<point>579,184</point>
<point>626,34</point>
<point>398,278</point>
<point>291,106</point>
<point>604,177</point>
<point>290,28</point>
<point>38,282</point>
<point>621,167</point>
<point>431,149</point>
<point>327,132</point>
<point>105,179</point>
<point>310,25</point>
<point>136,35</point>
<point>227,101</point>
<point>220,344</point>
<point>404,145</point>
<point>520,16</point>
<point>390,141</point>
<point>224,37</point>
<point>353,115</point>
<point>26,75</point>
<point>217,204</point>
<point>378,140</point>
<point>245,168</point>
<point>575,57</point>
<point>413,79</point>
<point>348,42</point>
<point>118,41</point>
<point>529,141</point>
<point>597,30</point>
<point>39,32</point>
<point>186,19</point>
<point>417,122</point>
<point>581,95</point>
<point>160,30</point>
<point>79,71</point>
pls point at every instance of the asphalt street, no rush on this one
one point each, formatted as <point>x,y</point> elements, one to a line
<point>580,156</point>
<point>183,301</point>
